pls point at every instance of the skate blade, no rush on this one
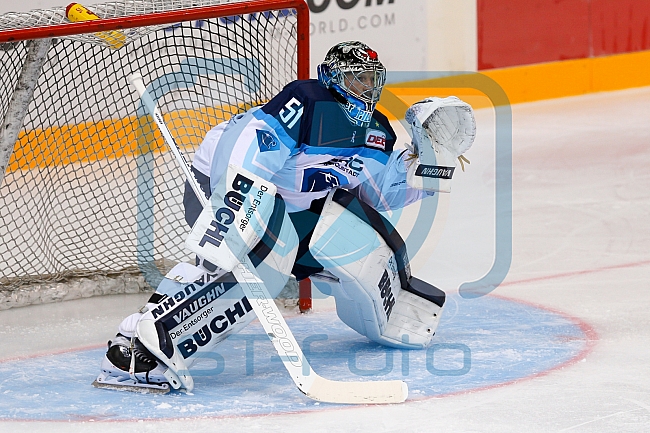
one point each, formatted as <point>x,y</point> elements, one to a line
<point>142,388</point>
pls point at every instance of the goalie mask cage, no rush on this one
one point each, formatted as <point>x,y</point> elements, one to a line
<point>88,189</point>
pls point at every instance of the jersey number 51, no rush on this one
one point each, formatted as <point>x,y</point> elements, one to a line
<point>290,115</point>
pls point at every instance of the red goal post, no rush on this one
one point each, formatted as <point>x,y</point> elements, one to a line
<point>45,160</point>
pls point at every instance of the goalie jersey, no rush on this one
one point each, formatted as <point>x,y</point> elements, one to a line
<point>302,141</point>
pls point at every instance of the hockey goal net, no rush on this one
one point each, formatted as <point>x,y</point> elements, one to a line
<point>87,187</point>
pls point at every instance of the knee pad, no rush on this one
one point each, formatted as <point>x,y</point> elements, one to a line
<point>369,276</point>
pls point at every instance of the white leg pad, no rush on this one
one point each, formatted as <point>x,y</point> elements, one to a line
<point>365,266</point>
<point>197,309</point>
<point>414,320</point>
<point>128,325</point>
<point>177,372</point>
<point>369,294</point>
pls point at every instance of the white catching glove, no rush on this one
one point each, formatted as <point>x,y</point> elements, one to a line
<point>443,129</point>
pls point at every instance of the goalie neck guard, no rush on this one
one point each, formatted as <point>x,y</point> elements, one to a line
<point>353,71</point>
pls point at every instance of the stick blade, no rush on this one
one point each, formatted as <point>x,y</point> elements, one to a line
<point>381,392</point>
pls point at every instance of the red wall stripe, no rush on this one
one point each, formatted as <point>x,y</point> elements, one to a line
<point>621,26</point>
<point>520,32</point>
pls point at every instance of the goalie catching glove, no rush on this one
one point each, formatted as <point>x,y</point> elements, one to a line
<point>442,129</point>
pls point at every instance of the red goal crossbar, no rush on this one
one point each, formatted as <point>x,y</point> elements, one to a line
<point>206,12</point>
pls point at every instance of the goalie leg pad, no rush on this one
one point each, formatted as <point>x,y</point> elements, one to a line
<point>196,310</point>
<point>193,320</point>
<point>371,283</point>
<point>413,320</point>
<point>236,219</point>
<point>416,315</point>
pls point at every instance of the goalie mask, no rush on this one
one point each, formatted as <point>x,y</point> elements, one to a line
<point>354,72</point>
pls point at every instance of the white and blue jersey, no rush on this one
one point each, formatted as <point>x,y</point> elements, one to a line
<point>302,141</point>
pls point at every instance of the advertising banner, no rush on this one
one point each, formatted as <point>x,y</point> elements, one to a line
<point>396,29</point>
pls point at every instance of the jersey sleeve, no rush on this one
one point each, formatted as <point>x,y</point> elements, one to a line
<point>286,110</point>
<point>388,189</point>
<point>260,140</point>
<point>254,141</point>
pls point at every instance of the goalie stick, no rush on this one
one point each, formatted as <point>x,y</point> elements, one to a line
<point>307,381</point>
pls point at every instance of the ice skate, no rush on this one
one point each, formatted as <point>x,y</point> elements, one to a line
<point>129,366</point>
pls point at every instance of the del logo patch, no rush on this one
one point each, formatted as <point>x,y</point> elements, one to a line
<point>376,138</point>
<point>266,141</point>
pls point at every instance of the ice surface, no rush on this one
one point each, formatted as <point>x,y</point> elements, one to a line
<point>480,344</point>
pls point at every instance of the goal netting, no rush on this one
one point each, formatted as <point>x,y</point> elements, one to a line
<point>89,191</point>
